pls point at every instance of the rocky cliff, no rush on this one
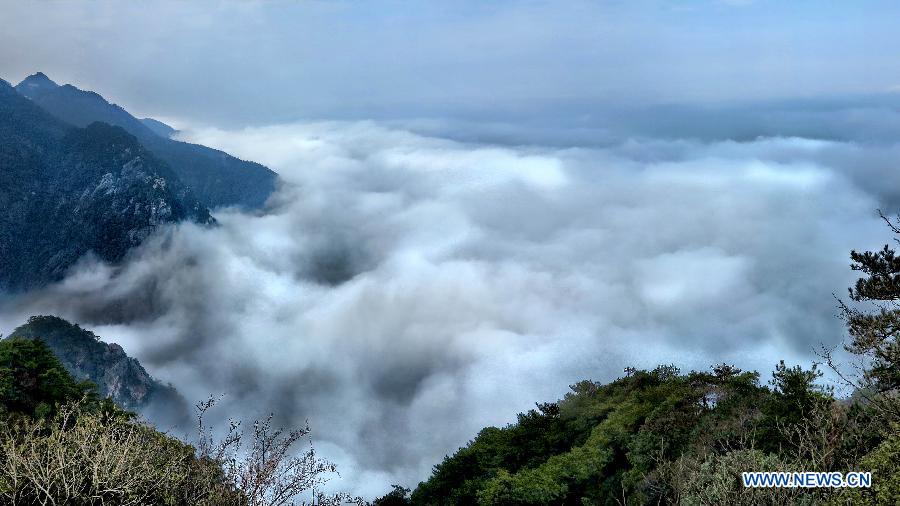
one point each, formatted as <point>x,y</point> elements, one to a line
<point>117,376</point>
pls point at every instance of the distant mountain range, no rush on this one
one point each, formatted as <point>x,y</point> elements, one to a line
<point>79,175</point>
<point>117,376</point>
<point>217,178</point>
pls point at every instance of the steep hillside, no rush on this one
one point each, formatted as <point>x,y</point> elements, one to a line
<point>68,191</point>
<point>216,177</point>
<point>662,437</point>
<point>117,376</point>
<point>61,443</point>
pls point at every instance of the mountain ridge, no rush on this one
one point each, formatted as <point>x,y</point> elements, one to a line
<point>35,85</point>
<point>68,191</point>
<point>218,179</point>
<point>158,127</point>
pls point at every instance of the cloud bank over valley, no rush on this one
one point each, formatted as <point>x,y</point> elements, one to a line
<point>404,289</point>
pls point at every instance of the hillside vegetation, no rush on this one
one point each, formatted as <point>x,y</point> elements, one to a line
<point>116,375</point>
<point>667,437</point>
<point>63,444</point>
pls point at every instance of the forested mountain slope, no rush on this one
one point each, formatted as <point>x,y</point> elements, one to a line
<point>217,178</point>
<point>62,442</point>
<point>67,191</point>
<point>663,437</point>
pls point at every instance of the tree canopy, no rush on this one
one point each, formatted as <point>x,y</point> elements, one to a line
<point>33,381</point>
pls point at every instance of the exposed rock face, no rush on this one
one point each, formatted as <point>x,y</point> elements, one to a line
<point>217,178</point>
<point>117,376</point>
<point>67,191</point>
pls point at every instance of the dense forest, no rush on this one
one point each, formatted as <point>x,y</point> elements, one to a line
<point>661,436</point>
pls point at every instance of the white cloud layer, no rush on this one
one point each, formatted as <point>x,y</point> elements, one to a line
<point>404,291</point>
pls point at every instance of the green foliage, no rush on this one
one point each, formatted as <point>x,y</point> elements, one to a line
<point>34,383</point>
<point>54,429</point>
<point>795,395</point>
<point>601,443</point>
<point>713,480</point>
<point>538,432</point>
<point>884,464</point>
<point>650,437</point>
<point>116,375</point>
<point>61,444</point>
<point>875,333</point>
<point>663,437</point>
<point>399,496</point>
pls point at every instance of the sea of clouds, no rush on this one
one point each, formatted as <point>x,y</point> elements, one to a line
<point>403,290</point>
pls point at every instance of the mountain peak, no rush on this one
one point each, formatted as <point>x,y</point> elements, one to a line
<point>36,84</point>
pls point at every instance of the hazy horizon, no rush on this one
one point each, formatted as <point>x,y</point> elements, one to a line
<point>252,63</point>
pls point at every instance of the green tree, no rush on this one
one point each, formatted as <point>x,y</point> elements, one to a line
<point>34,383</point>
<point>873,322</point>
<point>399,496</point>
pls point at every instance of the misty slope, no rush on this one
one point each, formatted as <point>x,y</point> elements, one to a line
<point>158,127</point>
<point>36,85</point>
<point>217,178</point>
<point>68,191</point>
<point>117,376</point>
